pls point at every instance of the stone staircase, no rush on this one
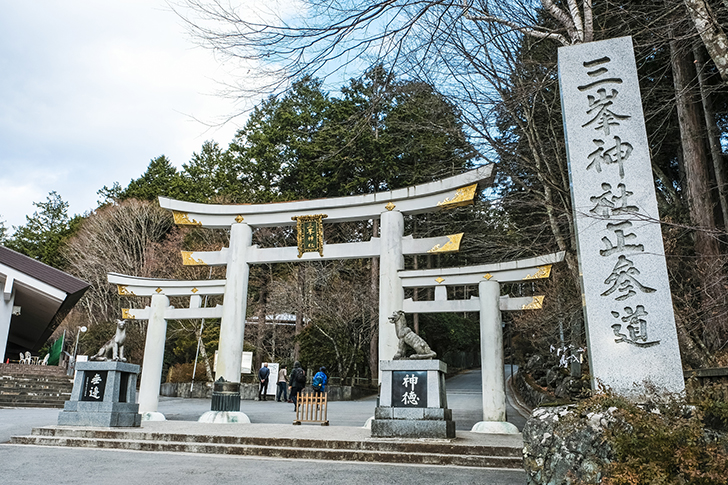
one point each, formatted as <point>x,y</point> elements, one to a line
<point>23,385</point>
<point>345,445</point>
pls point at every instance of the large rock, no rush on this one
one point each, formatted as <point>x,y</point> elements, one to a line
<point>561,447</point>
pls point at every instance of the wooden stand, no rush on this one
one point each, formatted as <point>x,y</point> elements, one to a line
<point>311,407</point>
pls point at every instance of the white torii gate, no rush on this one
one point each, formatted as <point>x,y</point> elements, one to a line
<point>157,314</point>
<point>489,303</point>
<point>390,207</point>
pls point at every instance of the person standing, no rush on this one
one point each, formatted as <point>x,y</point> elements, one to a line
<point>298,382</point>
<point>282,391</point>
<point>319,381</point>
<point>263,378</point>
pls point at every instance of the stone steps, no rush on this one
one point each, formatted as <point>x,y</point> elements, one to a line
<point>374,451</point>
<point>34,386</point>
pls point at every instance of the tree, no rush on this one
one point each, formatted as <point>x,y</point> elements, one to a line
<point>161,178</point>
<point>711,33</point>
<point>45,232</point>
<point>118,238</point>
<point>382,134</point>
<point>211,174</point>
<point>3,232</point>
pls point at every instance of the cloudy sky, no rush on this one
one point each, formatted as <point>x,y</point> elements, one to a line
<point>91,91</point>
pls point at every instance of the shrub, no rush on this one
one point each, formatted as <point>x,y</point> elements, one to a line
<point>663,441</point>
<point>183,373</point>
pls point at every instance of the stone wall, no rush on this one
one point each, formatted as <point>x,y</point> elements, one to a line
<point>250,391</point>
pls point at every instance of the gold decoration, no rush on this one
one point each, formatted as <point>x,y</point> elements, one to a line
<point>542,272</point>
<point>124,291</point>
<point>126,315</point>
<point>194,290</point>
<point>487,276</point>
<point>159,290</point>
<point>188,260</point>
<point>452,245</point>
<point>536,304</point>
<point>439,279</point>
<point>310,236</point>
<point>183,219</point>
<point>463,196</point>
<point>239,219</point>
<point>389,206</point>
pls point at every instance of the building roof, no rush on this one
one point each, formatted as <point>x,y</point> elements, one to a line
<point>45,295</point>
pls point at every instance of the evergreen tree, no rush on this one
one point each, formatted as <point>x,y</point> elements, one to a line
<point>161,178</point>
<point>45,232</point>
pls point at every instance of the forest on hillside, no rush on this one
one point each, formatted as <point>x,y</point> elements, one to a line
<point>444,87</point>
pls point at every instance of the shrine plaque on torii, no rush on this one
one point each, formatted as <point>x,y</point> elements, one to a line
<point>390,207</point>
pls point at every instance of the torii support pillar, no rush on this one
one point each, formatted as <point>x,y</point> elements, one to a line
<point>492,362</point>
<point>391,293</point>
<point>153,360</point>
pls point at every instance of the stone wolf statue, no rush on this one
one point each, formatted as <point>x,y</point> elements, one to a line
<point>114,348</point>
<point>408,337</point>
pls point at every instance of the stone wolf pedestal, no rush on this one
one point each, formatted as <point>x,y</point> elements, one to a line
<point>412,401</point>
<point>104,394</point>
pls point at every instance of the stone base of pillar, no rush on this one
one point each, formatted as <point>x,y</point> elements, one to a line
<point>225,396</point>
<point>104,394</point>
<point>390,422</point>
<point>224,417</point>
<point>494,427</point>
<point>153,416</point>
<point>412,401</point>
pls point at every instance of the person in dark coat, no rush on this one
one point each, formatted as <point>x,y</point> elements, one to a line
<point>298,381</point>
<point>263,378</point>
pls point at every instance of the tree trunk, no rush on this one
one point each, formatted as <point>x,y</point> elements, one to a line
<point>716,153</point>
<point>712,34</point>
<point>695,162</point>
<point>205,359</point>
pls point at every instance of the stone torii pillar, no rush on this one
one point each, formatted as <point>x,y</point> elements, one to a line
<point>492,358</point>
<point>151,379</point>
<point>391,293</point>
<point>232,326</point>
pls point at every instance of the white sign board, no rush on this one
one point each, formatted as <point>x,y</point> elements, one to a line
<point>247,363</point>
<point>273,379</point>
<point>627,303</point>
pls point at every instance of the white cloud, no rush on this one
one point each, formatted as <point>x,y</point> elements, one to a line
<point>90,91</point>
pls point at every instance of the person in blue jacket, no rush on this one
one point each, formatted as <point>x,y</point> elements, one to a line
<point>319,381</point>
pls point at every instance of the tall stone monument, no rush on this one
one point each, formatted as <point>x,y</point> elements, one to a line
<point>628,310</point>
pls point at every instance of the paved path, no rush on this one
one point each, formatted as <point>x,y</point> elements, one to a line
<point>23,465</point>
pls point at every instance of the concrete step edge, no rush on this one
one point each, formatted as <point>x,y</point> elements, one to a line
<point>278,452</point>
<point>398,447</point>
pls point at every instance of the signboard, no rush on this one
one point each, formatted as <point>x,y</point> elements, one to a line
<point>409,389</point>
<point>94,385</point>
<point>310,231</point>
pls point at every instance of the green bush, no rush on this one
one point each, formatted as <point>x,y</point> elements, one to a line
<point>662,441</point>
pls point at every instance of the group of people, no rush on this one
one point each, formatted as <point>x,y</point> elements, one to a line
<point>295,384</point>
